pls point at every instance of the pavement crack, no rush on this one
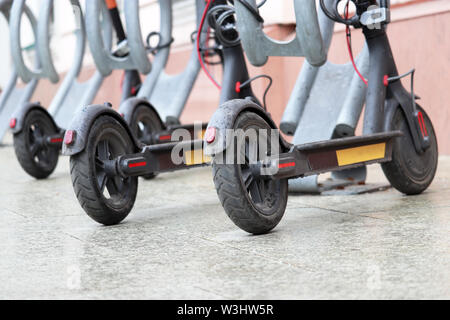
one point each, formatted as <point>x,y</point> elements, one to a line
<point>72,236</point>
<point>350,213</point>
<point>16,213</point>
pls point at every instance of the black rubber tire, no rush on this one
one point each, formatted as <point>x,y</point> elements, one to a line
<point>84,173</point>
<point>42,162</point>
<point>409,172</point>
<point>144,124</point>
<point>234,195</point>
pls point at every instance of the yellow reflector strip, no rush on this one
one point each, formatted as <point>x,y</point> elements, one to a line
<point>361,154</point>
<point>195,157</point>
<point>201,134</point>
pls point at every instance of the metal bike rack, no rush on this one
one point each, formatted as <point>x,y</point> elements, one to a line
<point>169,93</point>
<point>162,55</point>
<point>310,116</point>
<point>258,46</point>
<point>47,69</point>
<point>13,95</point>
<point>157,84</point>
<point>72,94</point>
<point>105,60</point>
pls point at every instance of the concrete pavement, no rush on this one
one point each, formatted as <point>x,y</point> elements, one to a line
<point>178,243</point>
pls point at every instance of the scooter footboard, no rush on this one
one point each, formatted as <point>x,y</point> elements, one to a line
<point>337,154</point>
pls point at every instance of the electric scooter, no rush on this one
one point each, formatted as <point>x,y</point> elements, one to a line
<point>251,177</point>
<point>106,158</point>
<point>37,132</point>
<point>155,111</point>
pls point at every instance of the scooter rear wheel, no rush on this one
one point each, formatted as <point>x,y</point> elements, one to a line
<point>36,157</point>
<point>254,204</point>
<point>144,124</point>
<point>410,172</point>
<point>107,199</point>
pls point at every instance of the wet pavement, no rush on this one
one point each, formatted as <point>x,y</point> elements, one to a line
<point>178,243</point>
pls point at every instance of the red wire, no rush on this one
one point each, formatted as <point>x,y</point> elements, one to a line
<point>349,47</point>
<point>199,32</point>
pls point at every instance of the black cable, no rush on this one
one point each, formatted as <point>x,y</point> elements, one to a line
<point>154,50</point>
<point>211,51</point>
<point>261,3</point>
<point>252,10</point>
<point>222,33</point>
<point>336,17</point>
<point>246,83</point>
<point>399,77</point>
<point>194,35</point>
<point>325,10</point>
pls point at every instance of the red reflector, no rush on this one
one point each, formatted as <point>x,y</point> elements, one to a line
<point>386,80</point>
<point>167,137</point>
<point>210,134</point>
<point>69,137</point>
<point>422,125</point>
<point>137,164</point>
<point>56,140</point>
<point>286,165</point>
<point>12,123</point>
<point>238,87</point>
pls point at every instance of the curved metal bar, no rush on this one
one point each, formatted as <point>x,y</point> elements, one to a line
<point>326,103</point>
<point>13,96</point>
<point>305,82</point>
<point>16,50</point>
<point>170,92</point>
<point>105,61</point>
<point>72,94</point>
<point>258,46</point>
<point>44,39</point>
<point>162,56</point>
<point>44,49</point>
<point>138,51</point>
<point>352,95</point>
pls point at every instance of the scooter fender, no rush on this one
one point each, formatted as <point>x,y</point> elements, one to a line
<point>81,126</point>
<point>224,119</point>
<point>22,113</point>
<point>390,107</point>
<point>128,106</point>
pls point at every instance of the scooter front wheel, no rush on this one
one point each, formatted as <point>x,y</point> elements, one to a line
<point>106,198</point>
<point>254,204</point>
<point>145,124</point>
<point>35,156</point>
<point>410,172</point>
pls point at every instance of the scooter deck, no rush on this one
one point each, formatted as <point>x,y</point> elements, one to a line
<point>165,136</point>
<point>337,154</point>
<point>300,161</point>
<point>164,157</point>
